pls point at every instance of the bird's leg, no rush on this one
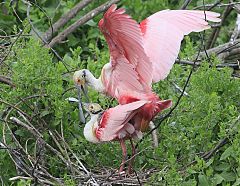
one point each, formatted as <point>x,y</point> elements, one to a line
<point>124,155</point>
<point>130,166</point>
<point>154,135</point>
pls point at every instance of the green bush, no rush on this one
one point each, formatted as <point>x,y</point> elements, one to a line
<point>202,119</point>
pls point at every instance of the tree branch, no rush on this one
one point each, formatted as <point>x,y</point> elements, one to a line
<point>185,4</point>
<point>61,36</point>
<point>216,30</point>
<point>6,80</point>
<point>65,18</point>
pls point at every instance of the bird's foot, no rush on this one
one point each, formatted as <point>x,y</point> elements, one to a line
<point>130,171</point>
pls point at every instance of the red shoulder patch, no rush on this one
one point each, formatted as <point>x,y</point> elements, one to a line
<point>105,118</point>
<point>143,26</point>
<point>127,99</point>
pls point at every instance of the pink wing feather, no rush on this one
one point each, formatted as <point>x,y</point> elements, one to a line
<point>114,119</point>
<point>164,31</point>
<point>124,38</point>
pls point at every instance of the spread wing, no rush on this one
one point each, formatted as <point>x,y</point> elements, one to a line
<point>114,119</point>
<point>164,31</point>
<point>125,42</point>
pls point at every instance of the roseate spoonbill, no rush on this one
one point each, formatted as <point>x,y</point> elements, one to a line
<point>114,124</point>
<point>141,54</point>
<point>117,123</point>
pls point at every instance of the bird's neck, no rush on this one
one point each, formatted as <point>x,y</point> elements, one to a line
<point>90,129</point>
<point>95,83</point>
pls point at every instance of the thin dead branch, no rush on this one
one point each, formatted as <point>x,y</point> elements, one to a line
<point>213,37</point>
<point>6,80</point>
<point>61,36</point>
<point>65,19</point>
<point>185,4</point>
<point>236,31</point>
<point>223,51</point>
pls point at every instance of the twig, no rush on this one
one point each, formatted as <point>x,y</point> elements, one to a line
<point>216,4</point>
<point>61,36</point>
<point>75,156</point>
<point>44,181</point>
<point>236,31</point>
<point>38,35</point>
<point>13,106</point>
<point>65,18</point>
<point>7,81</point>
<point>180,89</point>
<point>222,65</point>
<point>216,31</point>
<point>35,134</point>
<point>132,157</point>
<point>154,135</point>
<point>11,46</point>
<point>222,48</point>
<point>29,128</point>
<point>139,182</point>
<point>185,4</point>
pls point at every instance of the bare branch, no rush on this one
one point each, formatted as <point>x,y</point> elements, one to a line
<point>212,39</point>
<point>231,65</point>
<point>61,36</point>
<point>154,135</point>
<point>6,80</point>
<point>65,18</point>
<point>236,31</point>
<point>185,4</point>
<point>38,35</point>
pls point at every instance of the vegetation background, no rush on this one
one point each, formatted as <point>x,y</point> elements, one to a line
<point>41,138</point>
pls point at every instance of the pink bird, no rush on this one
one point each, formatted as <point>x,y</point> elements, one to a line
<point>114,124</point>
<point>140,54</point>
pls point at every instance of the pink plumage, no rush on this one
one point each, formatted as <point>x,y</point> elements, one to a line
<point>115,119</point>
<point>144,53</point>
<point>149,48</point>
<point>139,55</point>
<point>164,31</point>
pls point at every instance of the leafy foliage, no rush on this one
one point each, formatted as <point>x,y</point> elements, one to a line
<point>203,118</point>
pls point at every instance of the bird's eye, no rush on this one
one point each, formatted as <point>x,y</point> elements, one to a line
<point>84,74</point>
<point>78,80</point>
<point>91,107</point>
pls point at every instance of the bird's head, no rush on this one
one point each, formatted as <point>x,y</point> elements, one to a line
<point>80,79</point>
<point>92,108</point>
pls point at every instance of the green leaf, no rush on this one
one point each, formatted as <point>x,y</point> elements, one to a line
<point>227,153</point>
<point>203,181</point>
<point>209,162</point>
<point>228,176</point>
<point>44,113</point>
<point>237,182</point>
<point>191,171</point>
<point>217,179</point>
<point>223,167</point>
<point>19,133</point>
<point>91,23</point>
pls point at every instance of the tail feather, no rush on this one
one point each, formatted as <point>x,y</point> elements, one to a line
<point>161,105</point>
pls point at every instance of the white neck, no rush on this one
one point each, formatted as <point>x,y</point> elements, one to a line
<point>95,83</point>
<point>89,129</point>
